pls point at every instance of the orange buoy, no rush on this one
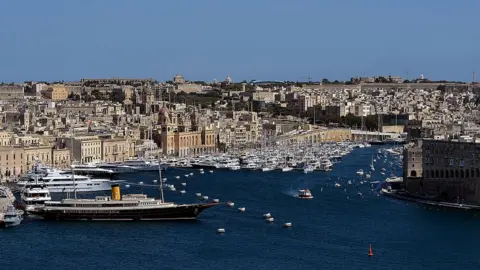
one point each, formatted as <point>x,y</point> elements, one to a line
<point>370,252</point>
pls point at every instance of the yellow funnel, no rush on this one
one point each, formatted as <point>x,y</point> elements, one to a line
<point>116,192</point>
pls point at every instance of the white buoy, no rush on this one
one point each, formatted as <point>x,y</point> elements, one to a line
<point>127,186</point>
<point>211,171</point>
<point>241,209</point>
<point>183,184</point>
<point>198,194</point>
<point>267,215</point>
<point>182,191</point>
<point>270,219</point>
<point>216,200</point>
<point>230,204</point>
<point>186,175</point>
<point>205,197</point>
<point>140,183</point>
<point>221,230</point>
<point>287,225</point>
<point>177,177</point>
<point>191,173</point>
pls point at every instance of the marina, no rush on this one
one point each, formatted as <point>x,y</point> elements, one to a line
<point>260,207</point>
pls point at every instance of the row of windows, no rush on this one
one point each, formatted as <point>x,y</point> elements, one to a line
<point>452,173</point>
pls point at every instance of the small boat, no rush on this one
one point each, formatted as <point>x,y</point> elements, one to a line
<point>216,200</point>
<point>305,194</point>
<point>186,175</point>
<point>127,186</point>
<point>241,209</point>
<point>191,173</point>
<point>287,169</point>
<point>198,194</point>
<point>267,215</point>
<point>154,181</point>
<point>287,225</point>
<point>211,171</point>
<point>177,177</point>
<point>140,183</point>
<point>270,220</point>
<point>360,172</point>
<point>183,184</point>
<point>221,230</point>
<point>230,204</point>
<point>183,191</point>
<point>337,185</point>
<point>12,217</point>
<point>205,198</point>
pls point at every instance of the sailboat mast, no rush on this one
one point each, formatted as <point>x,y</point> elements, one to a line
<point>160,179</point>
<point>72,166</point>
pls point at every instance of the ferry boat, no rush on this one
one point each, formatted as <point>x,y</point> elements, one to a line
<point>305,194</point>
<point>34,195</point>
<point>58,181</point>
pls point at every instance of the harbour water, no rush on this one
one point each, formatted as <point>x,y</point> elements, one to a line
<point>331,231</point>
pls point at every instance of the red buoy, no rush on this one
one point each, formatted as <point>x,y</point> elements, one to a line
<point>370,252</point>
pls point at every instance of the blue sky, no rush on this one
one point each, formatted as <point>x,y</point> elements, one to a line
<point>248,39</point>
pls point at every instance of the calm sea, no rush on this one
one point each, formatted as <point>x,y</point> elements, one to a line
<point>332,231</point>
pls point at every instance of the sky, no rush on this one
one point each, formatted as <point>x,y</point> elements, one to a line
<point>250,39</point>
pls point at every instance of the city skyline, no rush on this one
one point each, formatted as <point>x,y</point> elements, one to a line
<point>267,40</point>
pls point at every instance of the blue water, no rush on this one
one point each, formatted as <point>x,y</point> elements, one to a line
<point>332,231</point>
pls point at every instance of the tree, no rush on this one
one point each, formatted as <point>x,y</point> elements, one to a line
<point>325,81</point>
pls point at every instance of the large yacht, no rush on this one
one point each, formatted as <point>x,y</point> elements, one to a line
<point>34,195</point>
<point>117,207</point>
<point>59,181</point>
<point>144,164</point>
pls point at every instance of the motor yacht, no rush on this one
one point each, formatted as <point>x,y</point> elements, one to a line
<point>58,181</point>
<point>305,194</point>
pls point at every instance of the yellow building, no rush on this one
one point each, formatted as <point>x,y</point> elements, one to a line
<point>18,160</point>
<point>61,158</point>
<point>86,148</point>
<point>57,92</point>
<point>180,138</point>
<point>115,150</point>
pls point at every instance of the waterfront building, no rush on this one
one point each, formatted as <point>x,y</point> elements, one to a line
<point>450,170</point>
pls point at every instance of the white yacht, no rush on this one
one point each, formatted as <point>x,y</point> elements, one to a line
<point>116,167</point>
<point>12,217</point>
<point>93,170</point>
<point>144,164</point>
<point>34,195</point>
<point>360,172</point>
<point>58,181</point>
<point>6,198</point>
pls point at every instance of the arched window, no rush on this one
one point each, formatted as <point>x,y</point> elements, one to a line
<point>456,174</point>
<point>442,174</point>
<point>462,174</point>
<point>467,174</point>
<point>413,173</point>
<point>451,173</point>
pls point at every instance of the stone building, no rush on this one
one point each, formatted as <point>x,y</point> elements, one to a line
<point>413,168</point>
<point>9,92</point>
<point>116,150</point>
<point>57,92</point>
<point>180,136</point>
<point>451,171</point>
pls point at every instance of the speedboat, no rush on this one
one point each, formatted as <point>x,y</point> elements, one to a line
<point>305,194</point>
<point>360,172</point>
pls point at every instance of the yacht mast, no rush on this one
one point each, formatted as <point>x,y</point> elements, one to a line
<point>72,166</point>
<point>160,179</point>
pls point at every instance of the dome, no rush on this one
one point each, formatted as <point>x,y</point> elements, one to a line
<point>163,111</point>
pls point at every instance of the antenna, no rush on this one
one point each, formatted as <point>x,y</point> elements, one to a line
<point>473,81</point>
